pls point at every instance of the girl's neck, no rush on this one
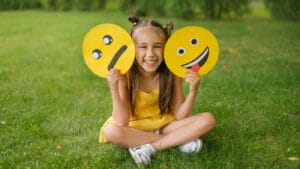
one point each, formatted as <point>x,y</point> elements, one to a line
<point>147,75</point>
<point>148,81</point>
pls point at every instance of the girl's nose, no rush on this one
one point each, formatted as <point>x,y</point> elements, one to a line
<point>150,52</point>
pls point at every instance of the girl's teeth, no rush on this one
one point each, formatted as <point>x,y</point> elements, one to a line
<point>150,62</point>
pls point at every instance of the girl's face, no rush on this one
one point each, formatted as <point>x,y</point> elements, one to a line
<point>149,47</point>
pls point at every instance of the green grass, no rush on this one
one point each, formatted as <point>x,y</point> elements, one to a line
<point>52,106</point>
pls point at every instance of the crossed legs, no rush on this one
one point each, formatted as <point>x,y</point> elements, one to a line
<point>176,133</point>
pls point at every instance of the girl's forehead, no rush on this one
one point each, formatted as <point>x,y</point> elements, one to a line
<point>148,32</point>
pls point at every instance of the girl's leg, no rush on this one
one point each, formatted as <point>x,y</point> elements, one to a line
<point>185,130</point>
<point>176,133</point>
<point>127,137</point>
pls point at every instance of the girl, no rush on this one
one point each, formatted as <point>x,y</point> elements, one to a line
<point>150,112</point>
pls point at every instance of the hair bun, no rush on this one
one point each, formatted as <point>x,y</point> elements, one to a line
<point>133,19</point>
<point>169,26</point>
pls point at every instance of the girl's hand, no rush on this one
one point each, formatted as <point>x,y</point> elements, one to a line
<point>193,79</point>
<point>113,78</point>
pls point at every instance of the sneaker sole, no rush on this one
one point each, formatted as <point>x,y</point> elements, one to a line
<point>200,145</point>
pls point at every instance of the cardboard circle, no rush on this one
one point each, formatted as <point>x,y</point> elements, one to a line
<point>191,47</point>
<point>108,46</point>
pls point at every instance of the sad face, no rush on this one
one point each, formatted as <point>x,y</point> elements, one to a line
<point>108,46</point>
<point>192,48</point>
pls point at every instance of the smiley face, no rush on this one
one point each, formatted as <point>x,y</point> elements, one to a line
<point>108,46</point>
<point>192,48</point>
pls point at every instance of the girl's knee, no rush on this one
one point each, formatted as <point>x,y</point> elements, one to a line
<point>112,132</point>
<point>208,118</point>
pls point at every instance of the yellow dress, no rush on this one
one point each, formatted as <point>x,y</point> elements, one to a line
<point>148,117</point>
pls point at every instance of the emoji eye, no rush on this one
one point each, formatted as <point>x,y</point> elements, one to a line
<point>107,40</point>
<point>97,53</point>
<point>181,51</point>
<point>194,41</point>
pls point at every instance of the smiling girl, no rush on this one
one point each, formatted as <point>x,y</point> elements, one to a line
<point>150,112</point>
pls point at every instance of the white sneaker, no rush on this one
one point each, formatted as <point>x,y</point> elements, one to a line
<point>141,154</point>
<point>192,146</point>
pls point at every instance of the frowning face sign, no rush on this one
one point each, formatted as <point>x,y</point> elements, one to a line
<point>108,46</point>
<point>193,48</point>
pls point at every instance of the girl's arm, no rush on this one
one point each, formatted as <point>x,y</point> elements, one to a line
<point>183,106</point>
<point>119,93</point>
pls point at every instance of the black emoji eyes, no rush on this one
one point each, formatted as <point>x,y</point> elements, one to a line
<point>97,53</point>
<point>194,41</point>
<point>181,51</point>
<point>107,39</point>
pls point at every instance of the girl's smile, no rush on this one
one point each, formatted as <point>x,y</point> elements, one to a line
<point>150,63</point>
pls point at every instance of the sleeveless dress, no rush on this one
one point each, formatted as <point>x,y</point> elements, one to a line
<point>148,117</point>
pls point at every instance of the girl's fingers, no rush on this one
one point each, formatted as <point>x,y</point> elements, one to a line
<point>192,75</point>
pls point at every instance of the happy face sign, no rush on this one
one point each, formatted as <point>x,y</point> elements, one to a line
<point>191,47</point>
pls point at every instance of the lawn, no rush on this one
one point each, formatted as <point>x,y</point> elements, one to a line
<point>52,106</point>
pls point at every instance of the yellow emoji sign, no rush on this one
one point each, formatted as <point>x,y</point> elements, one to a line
<point>191,47</point>
<point>108,46</point>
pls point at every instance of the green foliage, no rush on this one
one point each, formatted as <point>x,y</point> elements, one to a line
<point>284,9</point>
<point>180,8</point>
<point>19,4</point>
<point>217,9</point>
<point>83,5</point>
<point>144,7</point>
<point>58,5</point>
<point>188,8</point>
<point>175,8</point>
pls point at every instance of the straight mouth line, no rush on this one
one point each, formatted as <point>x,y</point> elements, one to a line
<point>116,57</point>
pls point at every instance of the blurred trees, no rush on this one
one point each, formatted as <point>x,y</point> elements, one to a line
<point>19,4</point>
<point>216,9</point>
<point>284,9</point>
<point>59,5</point>
<point>213,9</point>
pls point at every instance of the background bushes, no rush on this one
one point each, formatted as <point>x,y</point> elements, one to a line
<point>19,4</point>
<point>219,8</point>
<point>58,5</point>
<point>213,9</point>
<point>284,9</point>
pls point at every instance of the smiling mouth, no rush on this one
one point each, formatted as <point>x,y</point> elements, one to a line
<point>199,61</point>
<point>116,57</point>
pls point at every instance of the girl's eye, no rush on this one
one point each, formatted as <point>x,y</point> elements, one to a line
<point>194,41</point>
<point>107,39</point>
<point>97,53</point>
<point>181,51</point>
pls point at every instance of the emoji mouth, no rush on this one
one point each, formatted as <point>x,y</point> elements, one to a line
<point>116,57</point>
<point>199,61</point>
